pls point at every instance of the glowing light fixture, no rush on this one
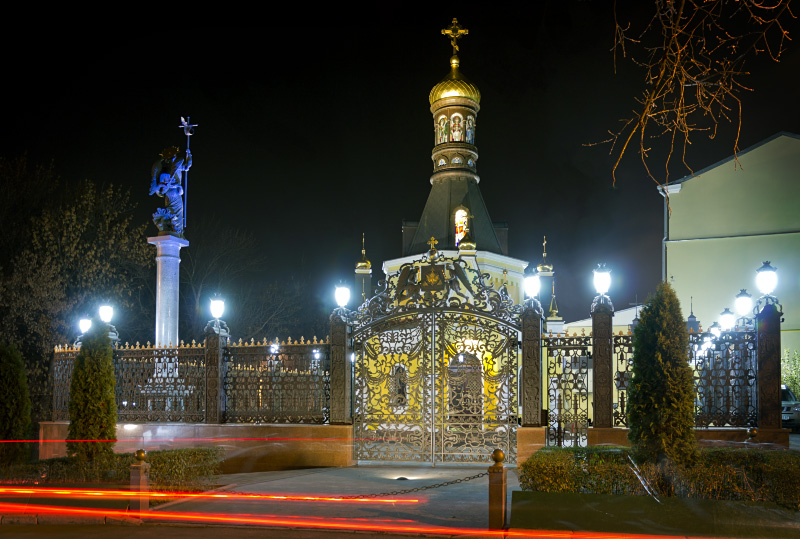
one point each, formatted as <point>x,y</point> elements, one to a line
<point>743,303</point>
<point>85,325</point>
<point>715,330</point>
<point>727,319</point>
<point>766,278</point>
<point>217,307</point>
<point>106,313</point>
<point>532,284</point>
<point>602,279</point>
<point>274,348</point>
<point>342,295</point>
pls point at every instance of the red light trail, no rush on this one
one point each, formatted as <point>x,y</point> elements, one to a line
<point>237,496</point>
<point>321,523</point>
<point>308,522</point>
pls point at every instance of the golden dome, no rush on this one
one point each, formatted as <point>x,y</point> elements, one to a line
<point>454,85</point>
<point>363,264</point>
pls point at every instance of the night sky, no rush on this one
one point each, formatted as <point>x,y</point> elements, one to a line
<point>312,132</point>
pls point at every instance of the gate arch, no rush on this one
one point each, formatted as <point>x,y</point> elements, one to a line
<point>436,355</point>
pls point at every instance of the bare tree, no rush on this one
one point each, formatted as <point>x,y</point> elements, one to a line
<point>693,53</point>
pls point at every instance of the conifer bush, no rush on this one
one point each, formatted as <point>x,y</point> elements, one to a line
<point>661,394</point>
<point>15,404</point>
<point>92,406</point>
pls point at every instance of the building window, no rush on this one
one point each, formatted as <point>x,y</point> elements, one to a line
<point>456,160</point>
<point>442,161</point>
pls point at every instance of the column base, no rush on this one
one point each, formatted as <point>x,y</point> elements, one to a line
<point>529,441</point>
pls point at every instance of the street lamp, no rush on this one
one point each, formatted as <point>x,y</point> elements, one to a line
<point>715,329</point>
<point>602,279</point>
<point>602,283</point>
<point>85,325</point>
<point>744,308</point>
<point>106,313</point>
<point>217,308</point>
<point>532,284</point>
<point>766,278</point>
<point>342,295</point>
<point>727,319</point>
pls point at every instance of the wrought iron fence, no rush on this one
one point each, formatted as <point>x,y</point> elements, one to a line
<point>568,360</point>
<point>622,348</point>
<point>725,377</point>
<point>160,384</point>
<point>277,383</point>
<point>285,382</point>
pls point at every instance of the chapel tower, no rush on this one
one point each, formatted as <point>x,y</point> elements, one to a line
<point>455,206</point>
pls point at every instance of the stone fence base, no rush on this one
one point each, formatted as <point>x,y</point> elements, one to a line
<point>248,447</point>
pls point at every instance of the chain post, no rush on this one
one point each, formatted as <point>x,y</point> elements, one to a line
<point>497,491</point>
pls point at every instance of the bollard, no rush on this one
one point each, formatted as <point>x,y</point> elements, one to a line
<point>497,491</point>
<point>140,482</point>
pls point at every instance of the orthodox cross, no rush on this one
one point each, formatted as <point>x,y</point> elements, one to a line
<point>454,32</point>
<point>544,248</point>
<point>363,248</point>
<point>432,243</point>
<point>188,130</point>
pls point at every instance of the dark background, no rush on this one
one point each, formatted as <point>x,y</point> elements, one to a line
<point>312,132</point>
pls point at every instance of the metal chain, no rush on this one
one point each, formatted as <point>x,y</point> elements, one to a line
<point>417,489</point>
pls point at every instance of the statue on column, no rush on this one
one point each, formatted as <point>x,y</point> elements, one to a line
<point>167,180</point>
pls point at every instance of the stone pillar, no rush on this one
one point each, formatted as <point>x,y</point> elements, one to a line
<point>531,371</point>
<point>140,482</point>
<point>603,378</point>
<point>341,372</point>
<point>216,341</point>
<point>768,335</point>
<point>168,262</point>
<point>497,491</point>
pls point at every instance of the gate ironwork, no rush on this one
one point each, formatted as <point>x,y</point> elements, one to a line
<point>436,363</point>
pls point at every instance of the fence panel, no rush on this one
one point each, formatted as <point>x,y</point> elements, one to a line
<point>568,363</point>
<point>623,365</point>
<point>725,376</point>
<point>272,383</point>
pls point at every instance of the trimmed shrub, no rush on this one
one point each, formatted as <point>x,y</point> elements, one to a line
<point>749,475</point>
<point>92,406</point>
<point>191,469</point>
<point>661,395</point>
<point>15,404</point>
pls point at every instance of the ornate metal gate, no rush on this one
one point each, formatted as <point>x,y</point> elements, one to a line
<point>436,362</point>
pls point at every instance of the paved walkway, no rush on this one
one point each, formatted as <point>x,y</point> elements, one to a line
<point>463,505</point>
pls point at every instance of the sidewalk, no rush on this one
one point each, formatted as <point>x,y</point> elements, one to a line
<point>462,505</point>
<point>456,509</point>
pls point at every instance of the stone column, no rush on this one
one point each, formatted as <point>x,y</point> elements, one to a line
<point>531,371</point>
<point>216,341</point>
<point>602,315</point>
<point>768,335</point>
<point>341,373</point>
<point>168,262</point>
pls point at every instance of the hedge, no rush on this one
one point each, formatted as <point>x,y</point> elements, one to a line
<point>719,474</point>
<point>174,469</point>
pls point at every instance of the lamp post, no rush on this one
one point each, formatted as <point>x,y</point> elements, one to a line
<point>531,368</point>
<point>84,325</point>
<point>726,320</point>
<point>217,308</point>
<point>106,313</point>
<point>744,307</point>
<point>715,329</point>
<point>602,316</point>
<point>768,314</point>
<point>217,334</point>
<point>341,404</point>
